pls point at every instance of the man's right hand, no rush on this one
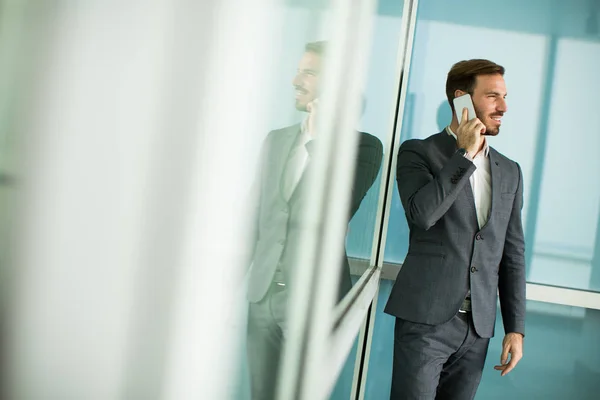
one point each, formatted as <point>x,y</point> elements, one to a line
<point>469,134</point>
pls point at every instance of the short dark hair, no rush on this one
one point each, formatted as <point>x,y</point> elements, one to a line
<point>463,76</point>
<point>316,47</point>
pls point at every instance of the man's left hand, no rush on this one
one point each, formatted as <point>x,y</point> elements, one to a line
<point>513,345</point>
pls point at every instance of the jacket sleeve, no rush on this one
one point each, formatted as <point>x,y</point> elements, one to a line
<point>254,208</point>
<point>511,284</point>
<point>370,154</point>
<point>427,197</point>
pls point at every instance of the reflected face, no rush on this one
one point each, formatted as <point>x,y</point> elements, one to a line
<point>489,100</point>
<point>306,81</point>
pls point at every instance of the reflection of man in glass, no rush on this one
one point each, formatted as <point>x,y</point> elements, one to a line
<point>281,193</point>
<point>462,201</point>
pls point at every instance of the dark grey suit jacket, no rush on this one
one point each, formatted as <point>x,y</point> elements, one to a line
<point>448,253</point>
<point>278,225</point>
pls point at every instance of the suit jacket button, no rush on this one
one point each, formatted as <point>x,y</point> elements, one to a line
<point>478,237</point>
<point>453,180</point>
<point>473,269</point>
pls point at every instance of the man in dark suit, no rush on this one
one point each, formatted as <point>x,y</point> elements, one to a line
<point>463,203</point>
<point>281,196</point>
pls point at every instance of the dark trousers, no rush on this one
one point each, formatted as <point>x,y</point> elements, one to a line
<point>266,333</point>
<point>442,362</point>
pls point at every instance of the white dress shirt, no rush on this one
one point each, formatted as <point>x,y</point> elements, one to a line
<point>481,182</point>
<point>296,163</point>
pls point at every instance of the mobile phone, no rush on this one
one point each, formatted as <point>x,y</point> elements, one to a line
<point>461,102</point>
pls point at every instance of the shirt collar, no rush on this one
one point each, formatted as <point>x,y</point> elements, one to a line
<point>486,148</point>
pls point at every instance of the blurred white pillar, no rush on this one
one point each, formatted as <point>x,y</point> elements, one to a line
<point>204,353</point>
<point>133,207</point>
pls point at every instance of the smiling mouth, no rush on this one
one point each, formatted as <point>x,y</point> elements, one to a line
<point>498,119</point>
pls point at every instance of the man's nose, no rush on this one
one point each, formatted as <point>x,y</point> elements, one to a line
<point>296,81</point>
<point>502,106</point>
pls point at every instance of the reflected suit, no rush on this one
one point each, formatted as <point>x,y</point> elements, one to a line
<point>277,232</point>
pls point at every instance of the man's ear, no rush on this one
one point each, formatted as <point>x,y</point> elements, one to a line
<point>458,93</point>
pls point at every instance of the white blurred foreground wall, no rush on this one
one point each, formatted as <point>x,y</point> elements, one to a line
<point>134,120</point>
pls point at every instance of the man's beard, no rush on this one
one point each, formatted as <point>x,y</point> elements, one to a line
<point>301,106</point>
<point>489,131</point>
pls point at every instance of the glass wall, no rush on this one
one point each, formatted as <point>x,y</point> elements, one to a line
<point>300,89</point>
<point>304,52</point>
<point>380,93</point>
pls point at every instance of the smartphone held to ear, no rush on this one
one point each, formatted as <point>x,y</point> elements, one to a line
<point>462,102</point>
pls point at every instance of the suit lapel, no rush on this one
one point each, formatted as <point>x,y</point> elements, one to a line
<point>496,174</point>
<point>471,199</point>
<point>282,153</point>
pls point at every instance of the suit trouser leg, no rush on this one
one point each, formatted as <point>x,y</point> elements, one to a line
<point>462,372</point>
<point>266,332</point>
<point>425,354</point>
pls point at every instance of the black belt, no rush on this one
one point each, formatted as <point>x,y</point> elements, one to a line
<point>466,306</point>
